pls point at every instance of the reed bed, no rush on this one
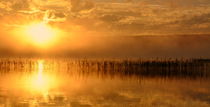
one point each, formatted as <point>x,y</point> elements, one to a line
<point>167,68</point>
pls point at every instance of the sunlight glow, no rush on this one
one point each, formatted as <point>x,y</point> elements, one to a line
<point>40,34</point>
<point>42,82</point>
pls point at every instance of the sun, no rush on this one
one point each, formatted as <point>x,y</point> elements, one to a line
<point>40,34</point>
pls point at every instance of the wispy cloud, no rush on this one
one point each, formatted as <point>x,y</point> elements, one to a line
<point>137,17</point>
<point>88,21</point>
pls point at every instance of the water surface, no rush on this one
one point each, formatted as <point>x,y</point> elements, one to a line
<point>33,82</point>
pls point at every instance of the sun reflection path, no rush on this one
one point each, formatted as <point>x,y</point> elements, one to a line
<point>42,82</point>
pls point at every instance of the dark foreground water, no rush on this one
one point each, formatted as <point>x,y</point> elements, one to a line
<point>32,82</point>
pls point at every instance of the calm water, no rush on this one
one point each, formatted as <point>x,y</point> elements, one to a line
<point>88,83</point>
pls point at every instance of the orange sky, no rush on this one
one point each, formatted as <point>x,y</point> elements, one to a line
<point>94,26</point>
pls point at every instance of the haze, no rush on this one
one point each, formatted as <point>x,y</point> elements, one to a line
<point>106,28</point>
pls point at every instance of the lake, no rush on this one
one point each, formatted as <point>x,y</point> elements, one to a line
<point>66,82</point>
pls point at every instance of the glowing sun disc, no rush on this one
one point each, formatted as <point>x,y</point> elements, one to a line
<point>40,33</point>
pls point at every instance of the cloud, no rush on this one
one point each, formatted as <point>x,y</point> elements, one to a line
<point>53,16</point>
<point>153,18</point>
<point>81,5</point>
<point>136,17</point>
<point>87,21</point>
<point>6,6</point>
<point>14,4</point>
<point>20,4</point>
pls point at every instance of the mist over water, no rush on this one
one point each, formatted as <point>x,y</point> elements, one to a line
<point>64,82</point>
<point>165,46</point>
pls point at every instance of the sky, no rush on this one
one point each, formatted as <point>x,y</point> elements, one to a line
<point>99,27</point>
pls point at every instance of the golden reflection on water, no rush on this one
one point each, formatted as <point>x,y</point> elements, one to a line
<point>46,83</point>
<point>41,81</point>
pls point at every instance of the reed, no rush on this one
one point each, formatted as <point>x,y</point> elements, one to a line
<point>167,68</point>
